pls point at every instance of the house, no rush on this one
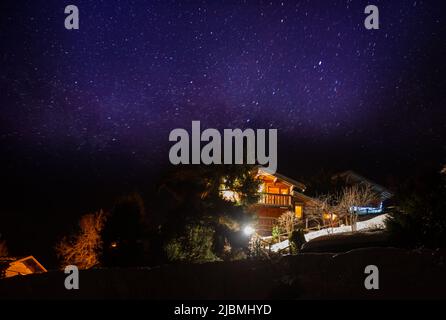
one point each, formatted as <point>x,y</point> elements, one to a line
<point>277,195</point>
<point>352,178</point>
<point>13,266</point>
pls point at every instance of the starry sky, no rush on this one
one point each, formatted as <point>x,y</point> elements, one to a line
<point>88,108</point>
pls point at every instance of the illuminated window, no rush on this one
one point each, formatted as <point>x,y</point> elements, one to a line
<point>298,211</point>
<point>278,190</point>
<point>329,216</point>
<point>273,190</point>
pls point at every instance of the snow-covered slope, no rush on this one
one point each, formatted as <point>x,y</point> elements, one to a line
<point>374,223</point>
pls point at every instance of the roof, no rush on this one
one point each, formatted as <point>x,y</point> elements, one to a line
<point>353,177</point>
<point>29,261</point>
<point>305,198</point>
<point>290,181</point>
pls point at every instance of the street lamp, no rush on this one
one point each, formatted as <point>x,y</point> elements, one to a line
<point>248,230</point>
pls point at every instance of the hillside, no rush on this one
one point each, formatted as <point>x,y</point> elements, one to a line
<point>403,274</point>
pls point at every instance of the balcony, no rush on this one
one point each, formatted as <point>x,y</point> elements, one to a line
<point>275,200</point>
<point>265,225</point>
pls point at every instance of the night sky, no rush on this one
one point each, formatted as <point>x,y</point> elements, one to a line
<point>86,113</point>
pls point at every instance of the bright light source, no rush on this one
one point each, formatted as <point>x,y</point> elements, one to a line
<point>248,230</point>
<point>230,195</point>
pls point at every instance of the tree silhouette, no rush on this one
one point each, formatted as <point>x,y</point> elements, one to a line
<point>124,232</point>
<point>192,198</point>
<point>83,249</point>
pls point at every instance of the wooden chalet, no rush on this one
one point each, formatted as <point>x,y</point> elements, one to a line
<point>279,194</point>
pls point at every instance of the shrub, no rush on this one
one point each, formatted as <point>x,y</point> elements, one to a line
<point>419,220</point>
<point>195,245</point>
<point>237,254</point>
<point>297,240</point>
<point>275,232</point>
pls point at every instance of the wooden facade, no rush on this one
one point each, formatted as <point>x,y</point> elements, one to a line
<point>279,194</point>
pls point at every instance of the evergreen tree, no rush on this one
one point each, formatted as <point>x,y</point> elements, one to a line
<point>195,199</point>
<point>124,233</point>
<point>419,219</point>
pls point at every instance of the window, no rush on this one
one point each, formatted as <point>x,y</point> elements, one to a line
<point>273,190</point>
<point>298,211</point>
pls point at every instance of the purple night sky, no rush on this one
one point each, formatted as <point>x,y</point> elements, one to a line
<point>89,108</point>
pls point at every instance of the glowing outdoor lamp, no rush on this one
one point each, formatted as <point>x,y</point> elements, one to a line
<point>248,230</point>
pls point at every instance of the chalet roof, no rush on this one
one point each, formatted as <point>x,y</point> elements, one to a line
<point>305,198</point>
<point>353,177</point>
<point>286,179</point>
<point>29,261</point>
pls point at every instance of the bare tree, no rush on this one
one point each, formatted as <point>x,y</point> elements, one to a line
<point>352,197</point>
<point>342,206</point>
<point>83,249</point>
<point>288,221</point>
<point>321,206</point>
<point>327,208</point>
<point>3,249</point>
<point>313,215</point>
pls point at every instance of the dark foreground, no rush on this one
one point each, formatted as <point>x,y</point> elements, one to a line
<point>403,274</point>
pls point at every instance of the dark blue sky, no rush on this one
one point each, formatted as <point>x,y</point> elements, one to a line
<point>86,114</point>
<point>110,93</point>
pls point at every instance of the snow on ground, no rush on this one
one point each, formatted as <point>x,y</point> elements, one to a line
<point>279,246</point>
<point>374,223</point>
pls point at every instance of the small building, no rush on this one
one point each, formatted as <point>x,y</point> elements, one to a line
<point>352,178</point>
<point>277,195</point>
<point>13,266</point>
